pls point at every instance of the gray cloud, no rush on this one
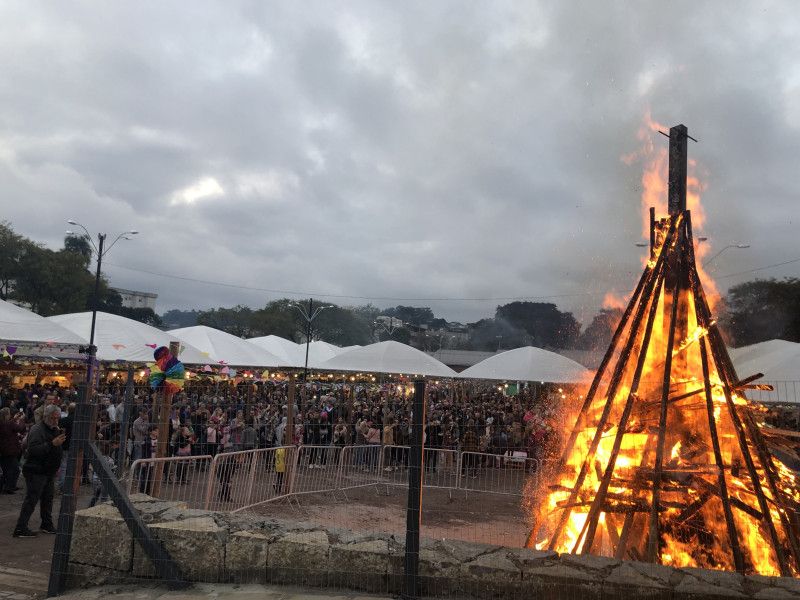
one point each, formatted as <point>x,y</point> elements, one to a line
<point>410,150</point>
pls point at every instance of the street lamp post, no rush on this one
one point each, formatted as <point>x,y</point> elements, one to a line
<point>100,251</point>
<point>391,327</point>
<point>309,317</point>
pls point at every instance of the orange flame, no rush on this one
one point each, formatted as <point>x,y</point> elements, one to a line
<point>564,497</point>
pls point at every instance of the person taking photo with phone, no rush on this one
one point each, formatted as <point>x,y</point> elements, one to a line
<point>42,459</point>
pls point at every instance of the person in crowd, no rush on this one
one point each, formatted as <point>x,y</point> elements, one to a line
<point>249,440</point>
<point>390,454</point>
<point>12,428</point>
<point>469,445</point>
<point>140,432</point>
<point>147,471</point>
<point>42,460</point>
<point>373,437</point>
<point>182,441</point>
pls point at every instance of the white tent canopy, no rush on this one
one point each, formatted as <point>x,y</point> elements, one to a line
<point>388,357</point>
<point>778,360</point>
<point>121,339</point>
<point>224,348</point>
<point>318,353</point>
<point>286,350</point>
<point>528,364</point>
<point>21,325</point>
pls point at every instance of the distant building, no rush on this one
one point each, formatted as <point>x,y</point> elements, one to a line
<point>133,299</point>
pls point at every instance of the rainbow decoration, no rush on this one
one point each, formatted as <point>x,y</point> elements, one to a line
<point>167,371</point>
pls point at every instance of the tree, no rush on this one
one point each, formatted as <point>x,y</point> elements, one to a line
<point>141,314</point>
<point>80,245</point>
<point>491,335</point>
<point>342,326</point>
<point>762,310</point>
<point>237,321</point>
<point>410,314</point>
<point>179,318</point>
<point>547,326</point>
<point>597,335</point>
<point>278,318</point>
<point>12,247</point>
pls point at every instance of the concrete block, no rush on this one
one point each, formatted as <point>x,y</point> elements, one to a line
<point>101,538</point>
<point>246,557</point>
<point>299,557</point>
<point>362,565</point>
<point>196,545</point>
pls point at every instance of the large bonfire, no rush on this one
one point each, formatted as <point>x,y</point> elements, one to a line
<point>666,461</point>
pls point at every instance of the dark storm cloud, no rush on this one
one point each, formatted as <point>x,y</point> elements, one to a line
<point>412,150</point>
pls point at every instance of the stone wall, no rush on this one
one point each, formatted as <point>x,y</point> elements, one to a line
<point>221,547</point>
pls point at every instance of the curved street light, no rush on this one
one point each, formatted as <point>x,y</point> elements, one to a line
<point>741,246</point>
<point>309,317</point>
<point>100,251</point>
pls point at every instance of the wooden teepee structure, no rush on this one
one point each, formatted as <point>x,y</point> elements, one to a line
<point>666,462</point>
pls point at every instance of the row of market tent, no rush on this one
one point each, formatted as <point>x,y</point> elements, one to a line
<point>119,339</point>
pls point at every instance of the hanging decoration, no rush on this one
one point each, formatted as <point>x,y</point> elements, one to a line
<point>167,371</point>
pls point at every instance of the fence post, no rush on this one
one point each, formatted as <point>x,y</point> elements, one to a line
<point>292,475</point>
<point>212,474</point>
<point>122,452</point>
<point>415,473</point>
<point>459,467</point>
<point>72,478</point>
<point>251,478</point>
<point>341,468</point>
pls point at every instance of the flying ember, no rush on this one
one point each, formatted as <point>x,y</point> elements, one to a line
<point>665,460</point>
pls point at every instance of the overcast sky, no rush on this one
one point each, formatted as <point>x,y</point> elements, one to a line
<point>409,152</point>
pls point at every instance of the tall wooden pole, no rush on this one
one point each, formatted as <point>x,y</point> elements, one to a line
<point>163,412</point>
<point>678,167</point>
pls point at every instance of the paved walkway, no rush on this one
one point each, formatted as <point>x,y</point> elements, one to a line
<point>212,592</point>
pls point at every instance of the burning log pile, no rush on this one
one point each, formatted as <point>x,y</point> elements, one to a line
<point>666,462</point>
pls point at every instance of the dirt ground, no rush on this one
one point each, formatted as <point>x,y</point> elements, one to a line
<point>25,563</point>
<point>468,516</point>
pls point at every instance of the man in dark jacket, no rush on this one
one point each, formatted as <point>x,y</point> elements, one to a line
<point>42,459</point>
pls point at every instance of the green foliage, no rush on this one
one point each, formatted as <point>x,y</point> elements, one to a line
<point>12,248</point>
<point>762,310</point>
<point>491,335</point>
<point>597,336</point>
<point>141,314</point>
<point>547,326</point>
<point>53,282</point>
<point>237,321</point>
<point>174,318</point>
<point>410,314</point>
<point>80,245</point>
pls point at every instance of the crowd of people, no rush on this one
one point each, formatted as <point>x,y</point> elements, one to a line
<point>208,418</point>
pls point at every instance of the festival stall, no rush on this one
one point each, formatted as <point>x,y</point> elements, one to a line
<point>34,349</point>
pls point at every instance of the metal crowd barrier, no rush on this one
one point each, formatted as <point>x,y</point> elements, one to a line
<point>236,481</point>
<point>241,480</point>
<point>359,466</point>
<point>184,478</point>
<point>316,469</point>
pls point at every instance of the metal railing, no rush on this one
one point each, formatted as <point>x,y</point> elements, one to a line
<point>241,480</point>
<point>237,481</point>
<point>183,478</point>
